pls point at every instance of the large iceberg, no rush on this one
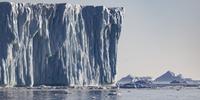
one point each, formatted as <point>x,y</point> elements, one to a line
<point>58,44</point>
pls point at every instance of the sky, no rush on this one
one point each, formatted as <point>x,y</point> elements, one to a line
<point>157,36</point>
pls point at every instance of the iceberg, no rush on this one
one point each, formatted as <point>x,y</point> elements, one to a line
<point>134,82</point>
<point>58,44</point>
<point>169,77</point>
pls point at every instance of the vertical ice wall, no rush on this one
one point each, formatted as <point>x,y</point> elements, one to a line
<point>58,44</point>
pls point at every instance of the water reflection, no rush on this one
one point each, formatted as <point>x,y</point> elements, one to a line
<point>55,94</point>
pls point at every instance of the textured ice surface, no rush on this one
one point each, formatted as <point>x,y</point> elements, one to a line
<point>58,44</point>
<point>169,77</point>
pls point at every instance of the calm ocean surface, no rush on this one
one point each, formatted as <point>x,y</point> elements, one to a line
<point>87,94</point>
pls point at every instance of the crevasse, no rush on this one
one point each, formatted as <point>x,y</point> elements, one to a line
<point>58,44</point>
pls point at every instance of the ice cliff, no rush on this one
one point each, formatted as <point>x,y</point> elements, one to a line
<point>58,44</point>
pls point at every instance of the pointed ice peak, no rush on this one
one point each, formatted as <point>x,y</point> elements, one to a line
<point>168,77</point>
<point>127,79</point>
<point>170,73</point>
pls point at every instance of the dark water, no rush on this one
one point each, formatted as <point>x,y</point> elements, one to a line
<point>86,94</point>
<point>55,94</point>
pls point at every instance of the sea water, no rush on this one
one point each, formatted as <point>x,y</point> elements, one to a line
<point>99,94</point>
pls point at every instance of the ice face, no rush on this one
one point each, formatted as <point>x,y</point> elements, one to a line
<point>58,44</point>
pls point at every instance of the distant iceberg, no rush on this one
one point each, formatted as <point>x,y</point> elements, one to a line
<point>134,82</point>
<point>58,44</point>
<point>126,79</point>
<point>169,77</point>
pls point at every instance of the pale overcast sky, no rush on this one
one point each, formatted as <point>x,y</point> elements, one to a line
<point>158,35</point>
